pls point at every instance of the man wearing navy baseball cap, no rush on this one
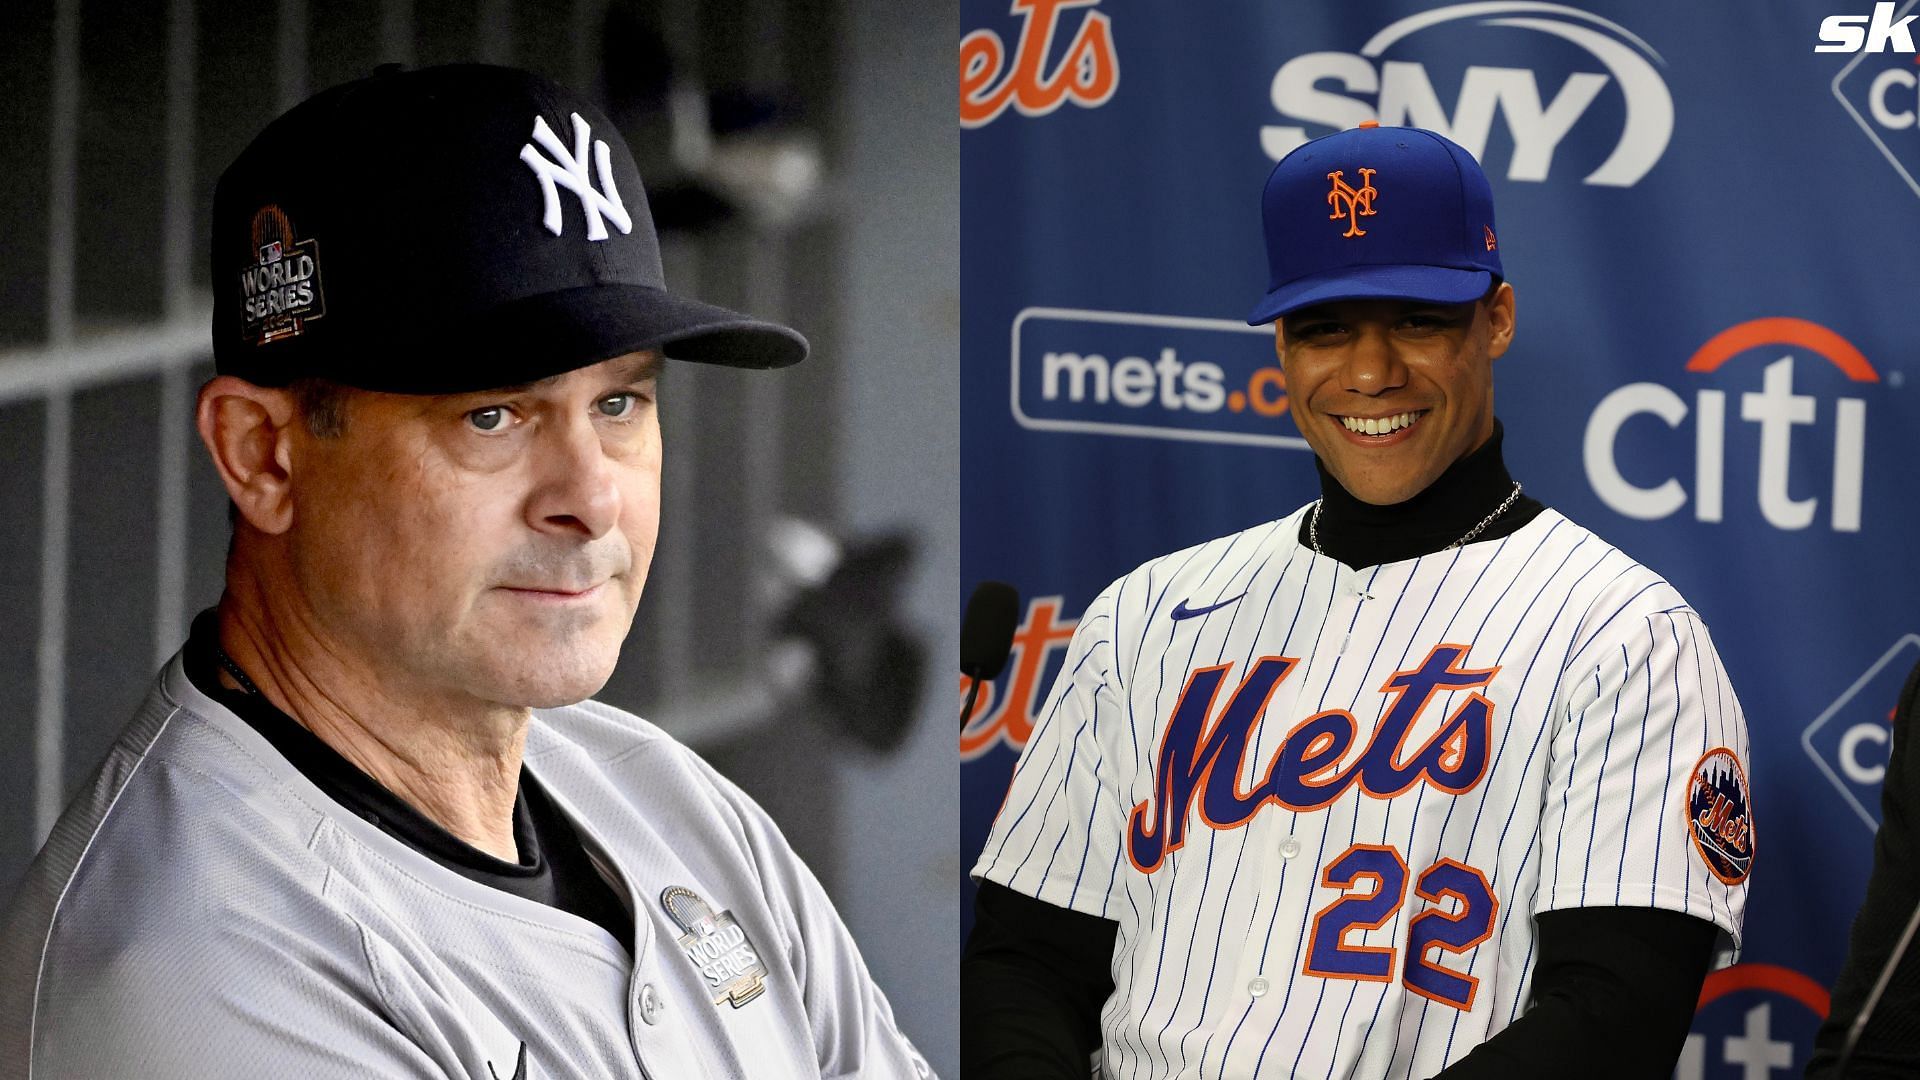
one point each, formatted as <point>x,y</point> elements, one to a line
<point>1478,807</point>
<point>367,822</point>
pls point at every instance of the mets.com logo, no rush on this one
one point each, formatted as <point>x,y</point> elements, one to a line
<point>1794,460</point>
<point>1626,112</point>
<point>1153,376</point>
<point>1880,87</point>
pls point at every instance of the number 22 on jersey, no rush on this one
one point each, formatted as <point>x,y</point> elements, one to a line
<point>1381,867</point>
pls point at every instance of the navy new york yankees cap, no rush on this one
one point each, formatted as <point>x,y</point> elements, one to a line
<point>450,229</point>
<point>1377,213</point>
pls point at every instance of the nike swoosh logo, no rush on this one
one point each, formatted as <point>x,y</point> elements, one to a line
<point>1182,611</point>
<point>520,1067</point>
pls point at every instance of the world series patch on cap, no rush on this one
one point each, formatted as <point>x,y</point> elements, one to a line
<point>1377,213</point>
<point>450,229</point>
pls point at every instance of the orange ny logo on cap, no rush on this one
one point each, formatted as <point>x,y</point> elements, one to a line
<point>1349,203</point>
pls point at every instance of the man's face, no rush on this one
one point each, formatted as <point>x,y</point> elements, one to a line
<point>1420,374</point>
<point>490,544</point>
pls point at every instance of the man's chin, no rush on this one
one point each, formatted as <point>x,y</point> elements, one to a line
<point>1378,490</point>
<point>566,680</point>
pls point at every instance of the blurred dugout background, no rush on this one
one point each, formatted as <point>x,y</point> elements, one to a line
<point>801,158</point>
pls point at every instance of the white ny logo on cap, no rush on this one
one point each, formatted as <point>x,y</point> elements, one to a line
<point>570,171</point>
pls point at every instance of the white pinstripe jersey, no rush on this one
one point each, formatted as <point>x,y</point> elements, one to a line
<point>1324,804</point>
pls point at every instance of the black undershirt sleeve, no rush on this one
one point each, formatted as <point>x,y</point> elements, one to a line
<point>1032,980</point>
<point>1614,994</point>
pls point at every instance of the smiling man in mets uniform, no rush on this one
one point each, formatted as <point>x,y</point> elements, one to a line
<point>1421,779</point>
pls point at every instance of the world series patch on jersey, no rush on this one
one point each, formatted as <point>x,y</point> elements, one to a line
<point>1324,804</point>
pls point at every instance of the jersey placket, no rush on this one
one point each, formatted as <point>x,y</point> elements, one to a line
<point>659,1037</point>
<point>1287,840</point>
<point>1333,677</point>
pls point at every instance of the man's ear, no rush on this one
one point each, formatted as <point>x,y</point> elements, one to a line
<point>247,429</point>
<point>1500,320</point>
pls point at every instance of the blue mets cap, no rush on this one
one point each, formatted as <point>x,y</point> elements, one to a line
<point>1377,213</point>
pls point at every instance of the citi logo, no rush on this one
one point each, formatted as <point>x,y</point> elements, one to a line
<point>1878,86</point>
<point>1775,408</point>
<point>1401,92</point>
<point>1852,739</point>
<point>1879,32</point>
<point>1087,73</point>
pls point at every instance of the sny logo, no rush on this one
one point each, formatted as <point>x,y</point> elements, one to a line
<point>1338,90</point>
<point>1350,204</point>
<point>1196,760</point>
<point>1087,74</point>
<point>1863,33</point>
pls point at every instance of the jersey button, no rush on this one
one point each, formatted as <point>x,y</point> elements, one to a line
<point>1259,987</point>
<point>1289,847</point>
<point>651,1005</point>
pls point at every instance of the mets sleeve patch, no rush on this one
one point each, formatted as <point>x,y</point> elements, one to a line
<point>1720,816</point>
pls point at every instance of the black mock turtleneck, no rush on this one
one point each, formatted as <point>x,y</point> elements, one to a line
<point>1362,534</point>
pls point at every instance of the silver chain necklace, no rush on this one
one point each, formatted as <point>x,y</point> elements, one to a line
<point>1313,522</point>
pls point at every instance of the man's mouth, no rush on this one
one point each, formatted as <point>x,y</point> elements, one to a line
<point>1382,425</point>
<point>553,593</point>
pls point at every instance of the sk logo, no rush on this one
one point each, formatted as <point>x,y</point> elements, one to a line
<point>1351,204</point>
<point>569,170</point>
<point>1490,243</point>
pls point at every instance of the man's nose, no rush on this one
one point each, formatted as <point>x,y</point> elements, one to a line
<point>577,491</point>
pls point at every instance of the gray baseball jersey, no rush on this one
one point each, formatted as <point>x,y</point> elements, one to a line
<point>202,910</point>
<point>1324,804</point>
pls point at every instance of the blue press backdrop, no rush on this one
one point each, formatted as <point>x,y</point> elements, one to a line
<point>1711,232</point>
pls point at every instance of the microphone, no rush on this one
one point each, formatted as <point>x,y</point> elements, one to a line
<point>986,636</point>
<point>1859,1025</point>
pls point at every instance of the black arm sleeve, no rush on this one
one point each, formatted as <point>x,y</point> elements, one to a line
<point>1890,1045</point>
<point>1032,981</point>
<point>1613,996</point>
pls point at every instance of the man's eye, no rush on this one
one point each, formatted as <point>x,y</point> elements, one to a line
<point>615,405</point>
<point>491,418</point>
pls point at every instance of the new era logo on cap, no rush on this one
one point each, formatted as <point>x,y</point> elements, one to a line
<point>1413,214</point>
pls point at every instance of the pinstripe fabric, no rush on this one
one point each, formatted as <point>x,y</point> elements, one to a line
<point>1601,691</point>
